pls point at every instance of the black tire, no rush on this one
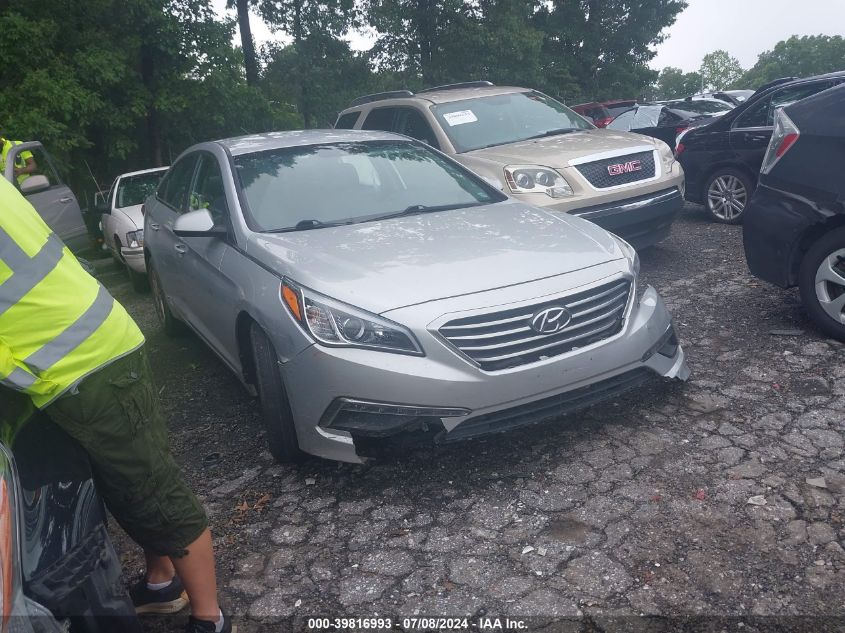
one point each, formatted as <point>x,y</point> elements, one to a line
<point>275,407</point>
<point>813,293</point>
<point>140,282</point>
<point>169,323</point>
<point>725,190</point>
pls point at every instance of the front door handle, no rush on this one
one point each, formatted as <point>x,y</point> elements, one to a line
<point>180,248</point>
<point>66,200</point>
<point>154,226</point>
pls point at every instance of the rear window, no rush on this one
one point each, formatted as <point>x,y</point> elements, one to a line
<point>133,190</point>
<point>347,121</point>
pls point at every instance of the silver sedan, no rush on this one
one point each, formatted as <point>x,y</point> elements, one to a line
<point>366,287</point>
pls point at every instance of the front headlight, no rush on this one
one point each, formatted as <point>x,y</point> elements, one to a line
<point>537,179</point>
<point>630,254</point>
<point>135,239</point>
<point>337,324</point>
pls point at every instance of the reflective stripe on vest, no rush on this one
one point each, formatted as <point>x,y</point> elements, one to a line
<point>27,272</point>
<point>73,336</point>
<point>19,379</point>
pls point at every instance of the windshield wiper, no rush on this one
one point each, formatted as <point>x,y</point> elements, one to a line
<point>306,225</point>
<point>415,209</point>
<point>563,130</point>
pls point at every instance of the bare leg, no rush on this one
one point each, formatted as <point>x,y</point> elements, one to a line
<point>196,569</point>
<point>159,568</point>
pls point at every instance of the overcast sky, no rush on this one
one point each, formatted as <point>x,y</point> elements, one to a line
<point>744,28</point>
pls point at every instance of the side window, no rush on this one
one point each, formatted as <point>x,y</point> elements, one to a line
<point>756,115</point>
<point>623,121</point>
<point>43,165</point>
<point>667,117</point>
<point>412,123</point>
<point>174,187</point>
<point>208,192</point>
<point>347,121</point>
<point>784,97</point>
<point>380,119</point>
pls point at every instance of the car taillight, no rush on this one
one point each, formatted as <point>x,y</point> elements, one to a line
<point>603,122</point>
<point>679,149</point>
<point>784,136</point>
<point>681,128</point>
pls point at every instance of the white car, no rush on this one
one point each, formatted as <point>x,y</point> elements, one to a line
<point>123,224</point>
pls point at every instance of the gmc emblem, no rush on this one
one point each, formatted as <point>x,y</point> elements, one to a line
<point>624,168</point>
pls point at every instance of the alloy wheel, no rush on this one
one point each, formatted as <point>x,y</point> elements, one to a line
<point>830,285</point>
<point>727,197</point>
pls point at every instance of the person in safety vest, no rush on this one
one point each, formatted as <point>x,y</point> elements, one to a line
<point>25,164</point>
<point>78,355</point>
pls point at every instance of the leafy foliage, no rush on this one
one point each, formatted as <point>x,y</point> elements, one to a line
<point>719,70</point>
<point>674,83</point>
<point>797,57</point>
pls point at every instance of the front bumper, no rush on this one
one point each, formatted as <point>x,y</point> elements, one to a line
<point>642,221</point>
<point>477,402</point>
<point>772,228</point>
<point>134,258</point>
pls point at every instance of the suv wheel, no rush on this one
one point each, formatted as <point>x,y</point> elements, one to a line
<point>822,283</point>
<point>169,323</point>
<point>275,407</point>
<point>726,195</point>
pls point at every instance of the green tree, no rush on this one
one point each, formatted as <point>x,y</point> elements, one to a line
<point>675,83</point>
<point>597,49</point>
<point>797,57</point>
<point>315,26</point>
<point>719,70</point>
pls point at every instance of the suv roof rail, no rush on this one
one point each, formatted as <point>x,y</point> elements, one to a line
<point>458,86</point>
<point>379,96</point>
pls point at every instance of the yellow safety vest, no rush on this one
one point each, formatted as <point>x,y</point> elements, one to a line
<point>57,323</point>
<point>7,145</point>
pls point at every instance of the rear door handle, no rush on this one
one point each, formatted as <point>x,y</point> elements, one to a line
<point>66,200</point>
<point>180,248</point>
<point>154,226</point>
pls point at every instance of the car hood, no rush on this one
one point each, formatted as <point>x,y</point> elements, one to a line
<point>133,215</point>
<point>557,151</point>
<point>389,264</point>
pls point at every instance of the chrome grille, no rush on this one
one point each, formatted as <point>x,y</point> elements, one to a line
<point>598,175</point>
<point>499,340</point>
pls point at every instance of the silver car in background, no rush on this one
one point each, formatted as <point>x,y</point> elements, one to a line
<point>368,286</point>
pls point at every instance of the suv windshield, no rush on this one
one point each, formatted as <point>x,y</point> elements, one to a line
<point>496,120</point>
<point>133,190</point>
<point>307,187</point>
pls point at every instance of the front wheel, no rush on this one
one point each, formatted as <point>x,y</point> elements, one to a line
<point>821,281</point>
<point>275,407</point>
<point>726,195</point>
<point>169,323</point>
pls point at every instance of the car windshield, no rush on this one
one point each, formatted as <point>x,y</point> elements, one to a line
<point>508,118</point>
<point>311,186</point>
<point>133,190</point>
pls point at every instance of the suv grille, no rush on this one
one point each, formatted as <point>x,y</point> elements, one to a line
<point>499,340</point>
<point>598,175</point>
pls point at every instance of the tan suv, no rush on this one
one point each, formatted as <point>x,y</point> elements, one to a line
<point>539,151</point>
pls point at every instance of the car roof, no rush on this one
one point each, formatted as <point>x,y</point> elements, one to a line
<point>297,138</point>
<point>141,172</point>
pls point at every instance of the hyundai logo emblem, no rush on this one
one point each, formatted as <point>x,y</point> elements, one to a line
<point>550,320</point>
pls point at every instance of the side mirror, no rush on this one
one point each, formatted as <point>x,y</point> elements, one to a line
<point>197,223</point>
<point>102,207</point>
<point>34,184</point>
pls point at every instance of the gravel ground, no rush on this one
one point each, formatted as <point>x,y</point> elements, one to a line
<point>720,498</point>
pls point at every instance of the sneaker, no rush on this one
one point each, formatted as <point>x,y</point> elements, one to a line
<point>204,626</point>
<point>162,601</point>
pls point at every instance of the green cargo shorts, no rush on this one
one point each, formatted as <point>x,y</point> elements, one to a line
<point>115,416</point>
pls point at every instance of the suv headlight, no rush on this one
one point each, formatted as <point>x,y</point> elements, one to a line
<point>630,254</point>
<point>337,324</point>
<point>537,179</point>
<point>135,239</point>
